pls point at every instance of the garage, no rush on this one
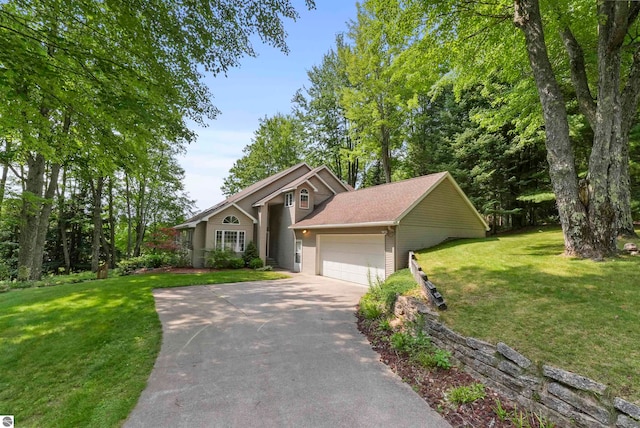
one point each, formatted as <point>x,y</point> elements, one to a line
<point>353,258</point>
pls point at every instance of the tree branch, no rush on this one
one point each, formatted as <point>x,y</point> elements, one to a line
<point>579,75</point>
<point>620,25</point>
<point>631,92</point>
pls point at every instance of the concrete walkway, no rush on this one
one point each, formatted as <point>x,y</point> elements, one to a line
<point>283,353</point>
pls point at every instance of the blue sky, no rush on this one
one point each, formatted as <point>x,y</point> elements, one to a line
<point>261,86</point>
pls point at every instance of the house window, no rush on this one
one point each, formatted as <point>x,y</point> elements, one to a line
<point>231,219</point>
<point>304,199</point>
<point>230,240</point>
<point>288,199</point>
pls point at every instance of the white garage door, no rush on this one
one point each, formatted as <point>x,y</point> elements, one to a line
<point>353,258</point>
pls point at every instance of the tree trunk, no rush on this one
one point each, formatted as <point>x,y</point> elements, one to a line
<point>129,219</point>
<point>386,152</point>
<point>43,221</point>
<point>96,191</point>
<point>62,223</point>
<point>560,156</point>
<point>112,226</point>
<point>5,172</point>
<point>141,214</point>
<point>29,213</point>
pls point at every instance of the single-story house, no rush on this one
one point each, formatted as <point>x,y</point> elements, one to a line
<point>306,220</point>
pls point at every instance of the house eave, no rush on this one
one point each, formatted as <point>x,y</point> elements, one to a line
<point>345,225</point>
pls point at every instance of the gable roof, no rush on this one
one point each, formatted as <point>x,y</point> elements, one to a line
<point>304,179</point>
<point>383,205</point>
<point>209,212</point>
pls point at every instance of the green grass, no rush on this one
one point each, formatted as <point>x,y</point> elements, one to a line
<point>78,355</point>
<point>381,296</point>
<point>580,315</point>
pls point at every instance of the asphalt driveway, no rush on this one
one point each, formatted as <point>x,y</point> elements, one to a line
<point>283,353</point>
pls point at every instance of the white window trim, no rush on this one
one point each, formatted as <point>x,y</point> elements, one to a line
<point>304,192</point>
<point>231,219</point>
<point>240,244</point>
<point>288,199</point>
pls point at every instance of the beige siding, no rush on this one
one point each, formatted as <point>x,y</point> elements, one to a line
<point>389,249</point>
<point>309,246</point>
<point>282,239</point>
<point>308,252</point>
<point>332,181</point>
<point>442,214</point>
<point>247,203</point>
<point>215,223</point>
<point>198,245</point>
<point>301,213</point>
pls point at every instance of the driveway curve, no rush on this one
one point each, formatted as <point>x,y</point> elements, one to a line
<point>284,353</point>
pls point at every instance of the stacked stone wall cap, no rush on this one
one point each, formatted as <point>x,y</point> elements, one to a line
<point>586,405</point>
<point>481,345</point>
<point>574,380</point>
<point>625,421</point>
<point>624,406</point>
<point>513,355</point>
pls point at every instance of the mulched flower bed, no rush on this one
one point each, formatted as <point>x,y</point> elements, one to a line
<point>432,384</point>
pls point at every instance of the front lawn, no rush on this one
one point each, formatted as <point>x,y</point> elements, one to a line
<point>579,315</point>
<point>80,354</point>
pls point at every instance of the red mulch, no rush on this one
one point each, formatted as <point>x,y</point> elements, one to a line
<point>432,384</point>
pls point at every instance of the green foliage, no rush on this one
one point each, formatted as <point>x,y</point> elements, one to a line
<point>48,281</point>
<point>222,258</point>
<point>438,358</point>
<point>5,271</point>
<point>376,100</point>
<point>277,145</point>
<point>384,324</point>
<point>500,411</point>
<point>466,394</point>
<point>250,253</point>
<point>320,109</point>
<point>410,343</point>
<point>381,296</point>
<point>236,263</point>
<point>87,85</point>
<point>256,263</point>
<point>149,261</point>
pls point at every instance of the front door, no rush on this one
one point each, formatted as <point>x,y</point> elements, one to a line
<point>297,261</point>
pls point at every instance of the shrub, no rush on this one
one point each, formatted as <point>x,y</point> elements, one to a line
<point>466,394</point>
<point>220,259</point>
<point>5,271</point>
<point>128,266</point>
<point>153,261</point>
<point>180,258</point>
<point>236,263</point>
<point>381,296</point>
<point>250,253</point>
<point>405,342</point>
<point>256,263</point>
<point>438,358</point>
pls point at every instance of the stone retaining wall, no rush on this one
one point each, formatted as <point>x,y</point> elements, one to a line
<point>565,398</point>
